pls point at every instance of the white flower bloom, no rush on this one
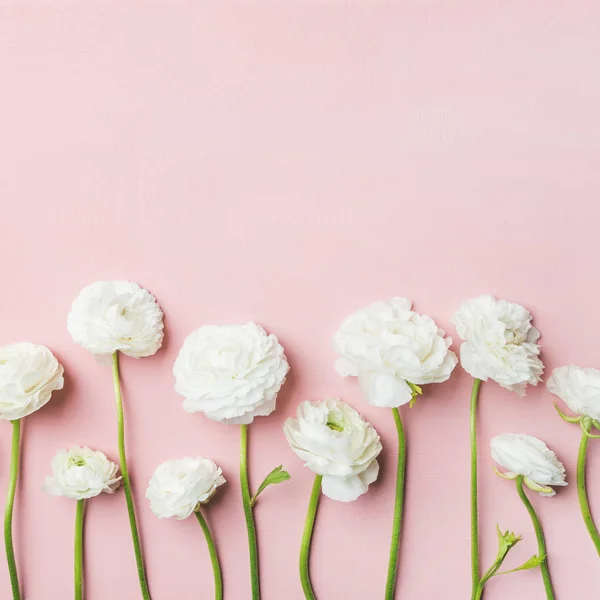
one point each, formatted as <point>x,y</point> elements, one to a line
<point>29,373</point>
<point>578,388</point>
<point>337,443</point>
<point>231,373</point>
<point>388,346</point>
<point>116,315</point>
<point>500,343</point>
<point>178,487</point>
<point>82,473</point>
<point>526,455</point>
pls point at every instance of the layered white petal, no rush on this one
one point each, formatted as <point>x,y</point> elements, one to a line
<point>529,456</point>
<point>387,345</point>
<point>231,373</point>
<point>111,316</point>
<point>334,441</point>
<point>578,388</point>
<point>29,373</point>
<point>499,343</point>
<point>81,473</point>
<point>178,487</point>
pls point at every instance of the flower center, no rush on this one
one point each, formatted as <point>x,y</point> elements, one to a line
<point>77,462</point>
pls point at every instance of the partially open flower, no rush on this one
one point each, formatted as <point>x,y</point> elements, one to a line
<point>337,443</point>
<point>82,473</point>
<point>178,487</point>
<point>392,349</point>
<point>499,343</point>
<point>231,373</point>
<point>578,388</point>
<point>528,456</point>
<point>116,315</point>
<point>29,373</point>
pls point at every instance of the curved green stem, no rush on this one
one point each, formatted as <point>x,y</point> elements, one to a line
<point>247,503</point>
<point>79,549</point>
<point>582,492</point>
<point>214,558</point>
<point>390,586</point>
<point>126,481</point>
<point>474,510</point>
<point>8,512</point>
<point>539,534</point>
<point>306,539</point>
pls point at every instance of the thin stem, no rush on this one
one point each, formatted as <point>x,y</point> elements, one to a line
<point>539,534</point>
<point>214,558</point>
<point>390,586</point>
<point>126,482</point>
<point>476,593</point>
<point>582,492</point>
<point>307,537</point>
<point>8,513</point>
<point>247,503</point>
<point>79,549</point>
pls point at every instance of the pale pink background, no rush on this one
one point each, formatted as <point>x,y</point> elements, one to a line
<point>289,164</point>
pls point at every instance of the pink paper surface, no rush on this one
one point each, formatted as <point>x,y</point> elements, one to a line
<point>289,164</point>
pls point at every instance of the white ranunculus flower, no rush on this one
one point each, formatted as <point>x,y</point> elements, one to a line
<point>337,443</point>
<point>499,343</point>
<point>82,473</point>
<point>231,373</point>
<point>29,373</point>
<point>387,346</point>
<point>526,455</point>
<point>178,487</point>
<point>578,388</point>
<point>116,315</point>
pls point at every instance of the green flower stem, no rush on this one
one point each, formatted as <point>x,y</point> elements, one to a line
<point>478,593</point>
<point>306,539</point>
<point>126,482</point>
<point>539,534</point>
<point>390,587</point>
<point>8,513</point>
<point>474,509</point>
<point>79,549</point>
<point>247,503</point>
<point>214,559</point>
<point>582,492</point>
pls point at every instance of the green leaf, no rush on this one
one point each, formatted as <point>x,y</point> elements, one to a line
<point>277,475</point>
<point>534,561</point>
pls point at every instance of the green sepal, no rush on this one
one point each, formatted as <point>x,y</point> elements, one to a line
<point>508,475</point>
<point>277,475</point>
<point>567,418</point>
<point>536,487</point>
<point>416,391</point>
<point>534,561</point>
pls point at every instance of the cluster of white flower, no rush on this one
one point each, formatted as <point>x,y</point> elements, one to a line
<point>233,373</point>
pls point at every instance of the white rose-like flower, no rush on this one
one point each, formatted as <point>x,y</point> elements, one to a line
<point>499,343</point>
<point>388,346</point>
<point>178,487</point>
<point>336,442</point>
<point>116,315</point>
<point>82,473</point>
<point>231,373</point>
<point>528,456</point>
<point>29,373</point>
<point>578,388</point>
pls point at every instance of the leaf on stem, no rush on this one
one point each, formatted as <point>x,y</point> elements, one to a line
<point>277,475</point>
<point>534,561</point>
